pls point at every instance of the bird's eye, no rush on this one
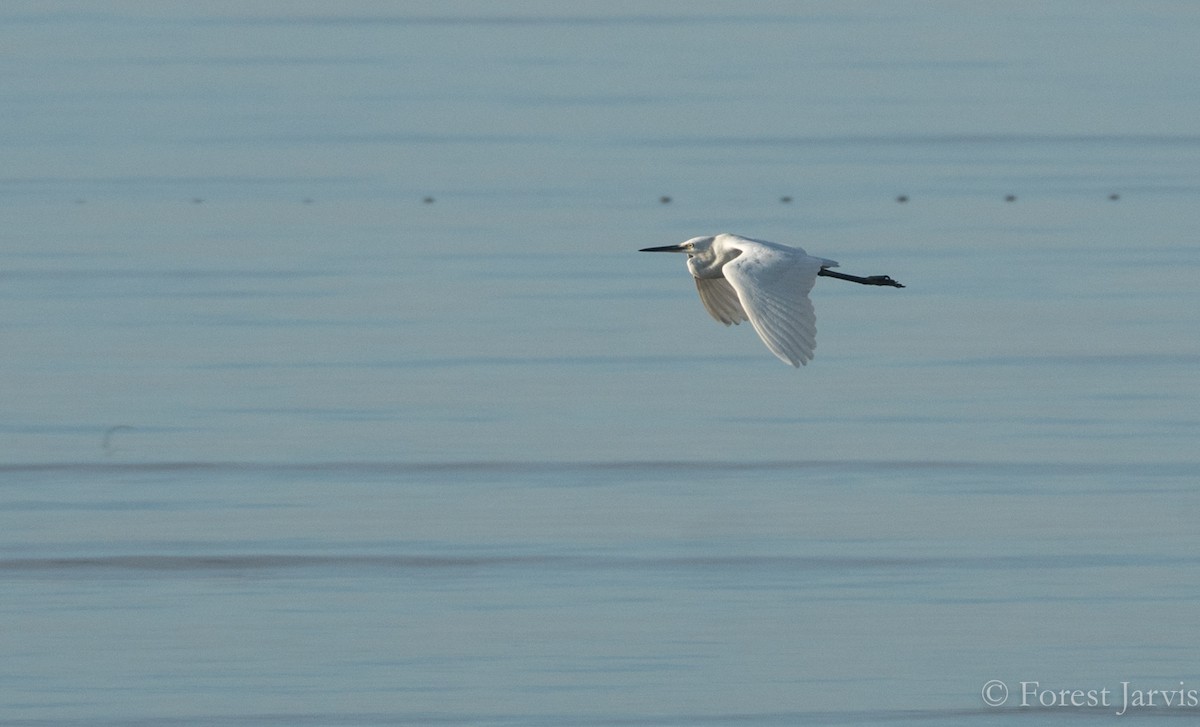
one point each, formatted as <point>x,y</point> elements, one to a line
<point>690,246</point>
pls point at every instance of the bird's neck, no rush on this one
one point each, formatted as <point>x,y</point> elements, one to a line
<point>704,267</point>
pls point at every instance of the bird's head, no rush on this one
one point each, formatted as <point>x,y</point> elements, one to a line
<point>693,247</point>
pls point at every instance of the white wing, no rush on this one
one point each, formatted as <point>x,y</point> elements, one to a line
<point>772,285</point>
<point>720,300</point>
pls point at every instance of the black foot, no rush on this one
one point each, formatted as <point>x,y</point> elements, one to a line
<point>882,280</point>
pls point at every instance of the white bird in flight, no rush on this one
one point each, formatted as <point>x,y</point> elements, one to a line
<point>766,283</point>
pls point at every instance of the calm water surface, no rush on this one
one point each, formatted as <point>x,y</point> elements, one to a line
<point>335,393</point>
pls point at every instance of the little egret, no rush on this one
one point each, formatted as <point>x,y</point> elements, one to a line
<point>766,283</point>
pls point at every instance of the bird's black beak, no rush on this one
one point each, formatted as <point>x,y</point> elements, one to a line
<point>666,248</point>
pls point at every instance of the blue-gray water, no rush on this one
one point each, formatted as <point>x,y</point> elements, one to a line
<point>334,393</point>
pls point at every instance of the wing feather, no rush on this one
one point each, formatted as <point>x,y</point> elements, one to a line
<point>720,300</point>
<point>772,286</point>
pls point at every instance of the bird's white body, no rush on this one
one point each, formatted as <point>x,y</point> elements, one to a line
<point>766,283</point>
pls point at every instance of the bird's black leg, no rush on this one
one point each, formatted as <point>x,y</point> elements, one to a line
<point>869,280</point>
